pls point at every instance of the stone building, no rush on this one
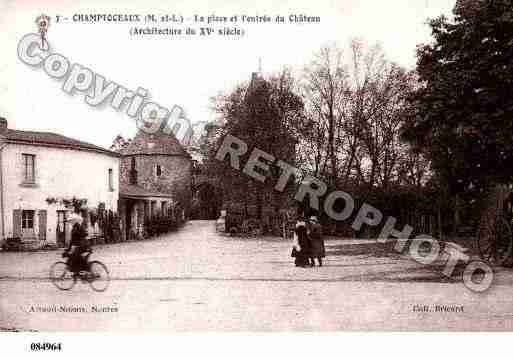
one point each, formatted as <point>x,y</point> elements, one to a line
<point>41,175</point>
<point>155,179</point>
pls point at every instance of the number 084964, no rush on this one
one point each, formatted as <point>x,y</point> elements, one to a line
<point>45,347</point>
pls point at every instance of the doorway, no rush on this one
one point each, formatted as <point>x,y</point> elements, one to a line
<point>27,224</point>
<point>61,228</point>
<point>128,219</point>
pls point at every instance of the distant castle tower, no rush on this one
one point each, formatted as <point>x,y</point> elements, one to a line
<point>257,76</point>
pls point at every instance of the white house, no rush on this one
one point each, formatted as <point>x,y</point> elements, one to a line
<point>40,173</point>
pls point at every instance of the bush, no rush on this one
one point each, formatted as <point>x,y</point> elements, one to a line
<point>158,225</point>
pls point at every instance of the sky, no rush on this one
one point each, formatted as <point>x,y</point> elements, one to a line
<point>181,71</point>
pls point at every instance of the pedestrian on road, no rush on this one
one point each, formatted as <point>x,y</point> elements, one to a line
<point>301,246</point>
<point>317,248</point>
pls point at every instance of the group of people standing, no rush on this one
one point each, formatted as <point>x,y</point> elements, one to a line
<point>308,243</point>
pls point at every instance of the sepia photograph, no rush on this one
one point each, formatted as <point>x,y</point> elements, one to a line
<point>237,166</point>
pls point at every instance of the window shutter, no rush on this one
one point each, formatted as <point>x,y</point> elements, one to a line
<point>16,226</point>
<point>42,225</point>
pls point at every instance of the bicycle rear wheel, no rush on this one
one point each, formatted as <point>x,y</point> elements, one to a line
<point>99,276</point>
<point>61,277</point>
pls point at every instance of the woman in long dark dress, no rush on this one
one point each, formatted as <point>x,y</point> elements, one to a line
<point>317,248</point>
<point>302,245</point>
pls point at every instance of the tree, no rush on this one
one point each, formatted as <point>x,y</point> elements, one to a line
<point>354,114</point>
<point>324,91</point>
<point>264,114</point>
<point>462,112</point>
<point>413,168</point>
<point>379,92</point>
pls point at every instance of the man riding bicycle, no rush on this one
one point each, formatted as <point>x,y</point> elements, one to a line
<point>78,246</point>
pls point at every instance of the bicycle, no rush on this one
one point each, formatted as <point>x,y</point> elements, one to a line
<point>95,273</point>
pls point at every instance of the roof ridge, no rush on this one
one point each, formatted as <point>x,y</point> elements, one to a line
<point>53,138</point>
<point>155,143</point>
<point>47,133</point>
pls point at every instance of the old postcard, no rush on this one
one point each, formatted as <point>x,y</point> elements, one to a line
<point>269,166</point>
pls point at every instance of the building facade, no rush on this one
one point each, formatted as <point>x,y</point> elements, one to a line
<point>42,175</point>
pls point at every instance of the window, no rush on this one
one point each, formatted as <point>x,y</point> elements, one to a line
<point>133,171</point>
<point>27,220</point>
<point>111,180</point>
<point>158,170</point>
<point>163,208</point>
<point>29,162</point>
<point>153,205</point>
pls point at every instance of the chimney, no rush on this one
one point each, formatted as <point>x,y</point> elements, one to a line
<point>3,126</point>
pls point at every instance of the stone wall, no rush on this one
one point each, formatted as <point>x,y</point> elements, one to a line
<point>175,178</point>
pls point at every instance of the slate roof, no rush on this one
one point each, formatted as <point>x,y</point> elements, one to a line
<point>159,143</point>
<point>52,140</point>
<point>134,191</point>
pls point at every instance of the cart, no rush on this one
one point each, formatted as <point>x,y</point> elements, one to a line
<point>495,237</point>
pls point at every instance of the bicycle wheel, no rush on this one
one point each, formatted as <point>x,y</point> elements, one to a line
<point>494,240</point>
<point>61,277</point>
<point>99,278</point>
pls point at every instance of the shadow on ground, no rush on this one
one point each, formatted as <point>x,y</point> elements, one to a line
<point>372,249</point>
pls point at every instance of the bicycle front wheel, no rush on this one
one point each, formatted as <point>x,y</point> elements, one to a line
<point>100,278</point>
<point>61,277</point>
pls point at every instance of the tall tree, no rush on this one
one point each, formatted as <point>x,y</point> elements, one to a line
<point>462,113</point>
<point>324,91</point>
<point>355,108</point>
<point>379,92</point>
<point>264,114</point>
